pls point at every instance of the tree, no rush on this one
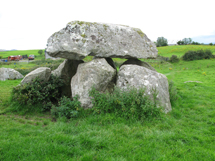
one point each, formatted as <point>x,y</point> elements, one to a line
<point>161,41</point>
<point>40,52</point>
<point>195,43</point>
<point>187,41</point>
<point>211,44</point>
<point>180,42</point>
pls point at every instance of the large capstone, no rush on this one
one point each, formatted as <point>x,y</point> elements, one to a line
<point>80,39</point>
<point>8,73</point>
<point>43,73</point>
<point>66,71</point>
<point>96,73</point>
<point>153,82</point>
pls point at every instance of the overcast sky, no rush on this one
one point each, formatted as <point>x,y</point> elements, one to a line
<point>27,24</point>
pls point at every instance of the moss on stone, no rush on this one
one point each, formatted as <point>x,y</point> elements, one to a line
<point>139,32</point>
<point>84,40</point>
<point>105,26</point>
<point>83,35</point>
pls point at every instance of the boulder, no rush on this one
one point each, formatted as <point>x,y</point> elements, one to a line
<point>43,73</point>
<point>8,73</point>
<point>97,73</point>
<point>66,71</point>
<point>80,39</point>
<point>138,62</point>
<point>141,77</point>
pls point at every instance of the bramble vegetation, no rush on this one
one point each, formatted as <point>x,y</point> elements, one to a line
<point>39,93</point>
<point>197,55</point>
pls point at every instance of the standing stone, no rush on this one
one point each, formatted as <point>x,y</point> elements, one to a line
<point>8,73</point>
<point>66,71</point>
<point>43,73</point>
<point>80,39</point>
<point>97,73</point>
<point>141,77</point>
<point>138,62</point>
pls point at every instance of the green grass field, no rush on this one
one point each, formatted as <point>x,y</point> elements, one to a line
<point>179,50</point>
<point>186,133</point>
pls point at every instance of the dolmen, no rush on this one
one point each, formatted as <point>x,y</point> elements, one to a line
<point>105,41</point>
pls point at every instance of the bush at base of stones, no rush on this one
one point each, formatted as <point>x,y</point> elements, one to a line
<point>38,91</point>
<point>67,108</point>
<point>130,103</point>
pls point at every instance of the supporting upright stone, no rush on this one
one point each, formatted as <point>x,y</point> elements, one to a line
<point>141,77</point>
<point>43,73</point>
<point>66,71</point>
<point>97,73</point>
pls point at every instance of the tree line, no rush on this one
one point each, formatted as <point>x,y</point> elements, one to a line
<point>161,41</point>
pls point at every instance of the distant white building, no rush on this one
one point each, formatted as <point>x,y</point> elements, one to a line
<point>172,44</point>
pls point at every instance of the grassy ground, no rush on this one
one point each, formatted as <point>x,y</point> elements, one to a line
<point>186,133</point>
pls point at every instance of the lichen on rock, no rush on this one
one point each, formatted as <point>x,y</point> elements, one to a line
<point>80,39</point>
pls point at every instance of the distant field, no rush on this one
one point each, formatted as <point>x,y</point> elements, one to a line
<point>5,54</point>
<point>180,50</point>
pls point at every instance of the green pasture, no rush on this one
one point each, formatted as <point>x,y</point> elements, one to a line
<point>186,133</point>
<point>180,50</point>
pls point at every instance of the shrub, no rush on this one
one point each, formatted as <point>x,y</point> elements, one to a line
<point>197,55</point>
<point>129,104</point>
<point>67,108</point>
<point>39,92</point>
<point>174,59</point>
<point>1,57</point>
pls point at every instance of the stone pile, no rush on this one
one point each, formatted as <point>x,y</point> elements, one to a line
<point>105,41</point>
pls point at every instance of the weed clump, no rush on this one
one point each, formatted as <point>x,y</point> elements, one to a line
<point>197,55</point>
<point>174,59</point>
<point>67,108</point>
<point>129,104</point>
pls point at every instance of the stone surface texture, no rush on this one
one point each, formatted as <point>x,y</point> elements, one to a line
<point>97,73</point>
<point>141,77</point>
<point>138,62</point>
<point>66,71</point>
<point>43,73</point>
<point>8,73</point>
<point>80,39</point>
